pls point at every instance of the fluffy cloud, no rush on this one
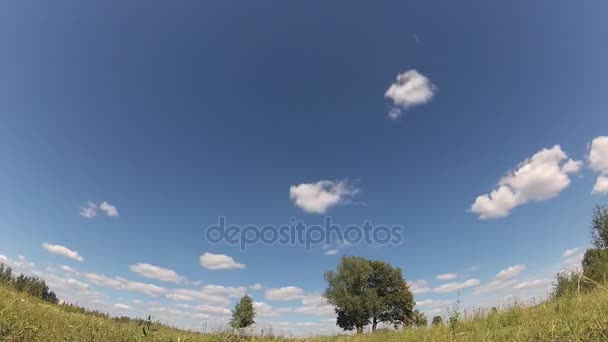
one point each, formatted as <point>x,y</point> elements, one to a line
<point>213,310</point>
<point>123,307</point>
<point>219,262</point>
<point>91,209</point>
<point>455,286</point>
<point>409,89</point>
<point>571,260</point>
<point>156,272</point>
<point>447,276</point>
<point>109,209</point>
<point>531,284</point>
<point>502,279</point>
<point>316,198</point>
<point>419,287</point>
<point>510,272</point>
<point>284,293</point>
<point>538,178</point>
<point>256,287</point>
<point>189,295</point>
<point>598,161</point>
<point>63,251</point>
<point>118,283</point>
<point>570,252</point>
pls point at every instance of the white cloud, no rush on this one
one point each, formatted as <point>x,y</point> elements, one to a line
<point>571,260</point>
<point>316,198</point>
<point>91,209</point>
<point>109,209</point>
<point>332,251</point>
<point>256,287</point>
<point>419,287</point>
<point>502,279</point>
<point>63,251</point>
<point>510,272</point>
<point>68,269</point>
<point>455,286</point>
<point>570,252</point>
<point>538,178</point>
<point>284,294</point>
<point>118,283</point>
<point>598,161</point>
<point>531,284</point>
<point>189,295</point>
<point>124,307</point>
<point>315,305</point>
<point>219,262</point>
<point>264,310</point>
<point>213,310</point>
<point>156,272</point>
<point>409,89</point>
<point>230,291</point>
<point>447,276</point>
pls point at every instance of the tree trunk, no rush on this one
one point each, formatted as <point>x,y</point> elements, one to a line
<point>374,324</point>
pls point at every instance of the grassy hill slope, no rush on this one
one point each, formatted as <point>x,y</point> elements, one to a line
<point>580,318</point>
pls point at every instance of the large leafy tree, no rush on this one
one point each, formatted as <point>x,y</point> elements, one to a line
<point>368,291</point>
<point>243,313</point>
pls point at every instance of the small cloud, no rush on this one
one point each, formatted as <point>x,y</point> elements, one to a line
<point>510,272</point>
<point>63,251</point>
<point>419,287</point>
<point>219,262</point>
<point>532,284</point>
<point>122,307</point>
<point>156,272</point>
<point>91,210</point>
<point>332,251</point>
<point>455,286</point>
<point>538,178</point>
<point>447,276</point>
<point>109,209</point>
<point>256,287</point>
<point>284,294</point>
<point>316,198</point>
<point>409,89</point>
<point>570,252</point>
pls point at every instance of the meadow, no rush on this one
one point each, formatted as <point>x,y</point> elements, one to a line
<point>581,317</point>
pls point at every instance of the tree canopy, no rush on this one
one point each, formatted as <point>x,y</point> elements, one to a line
<point>368,291</point>
<point>243,313</point>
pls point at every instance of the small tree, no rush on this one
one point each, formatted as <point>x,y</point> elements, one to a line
<point>418,319</point>
<point>437,320</point>
<point>243,313</point>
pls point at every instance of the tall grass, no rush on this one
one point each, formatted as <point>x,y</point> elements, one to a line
<point>573,317</point>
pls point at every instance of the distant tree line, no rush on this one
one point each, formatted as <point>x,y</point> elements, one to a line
<point>31,285</point>
<point>594,270</point>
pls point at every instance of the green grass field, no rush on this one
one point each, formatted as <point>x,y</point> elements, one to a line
<point>579,318</point>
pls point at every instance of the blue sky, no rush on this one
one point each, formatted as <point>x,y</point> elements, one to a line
<point>176,114</point>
